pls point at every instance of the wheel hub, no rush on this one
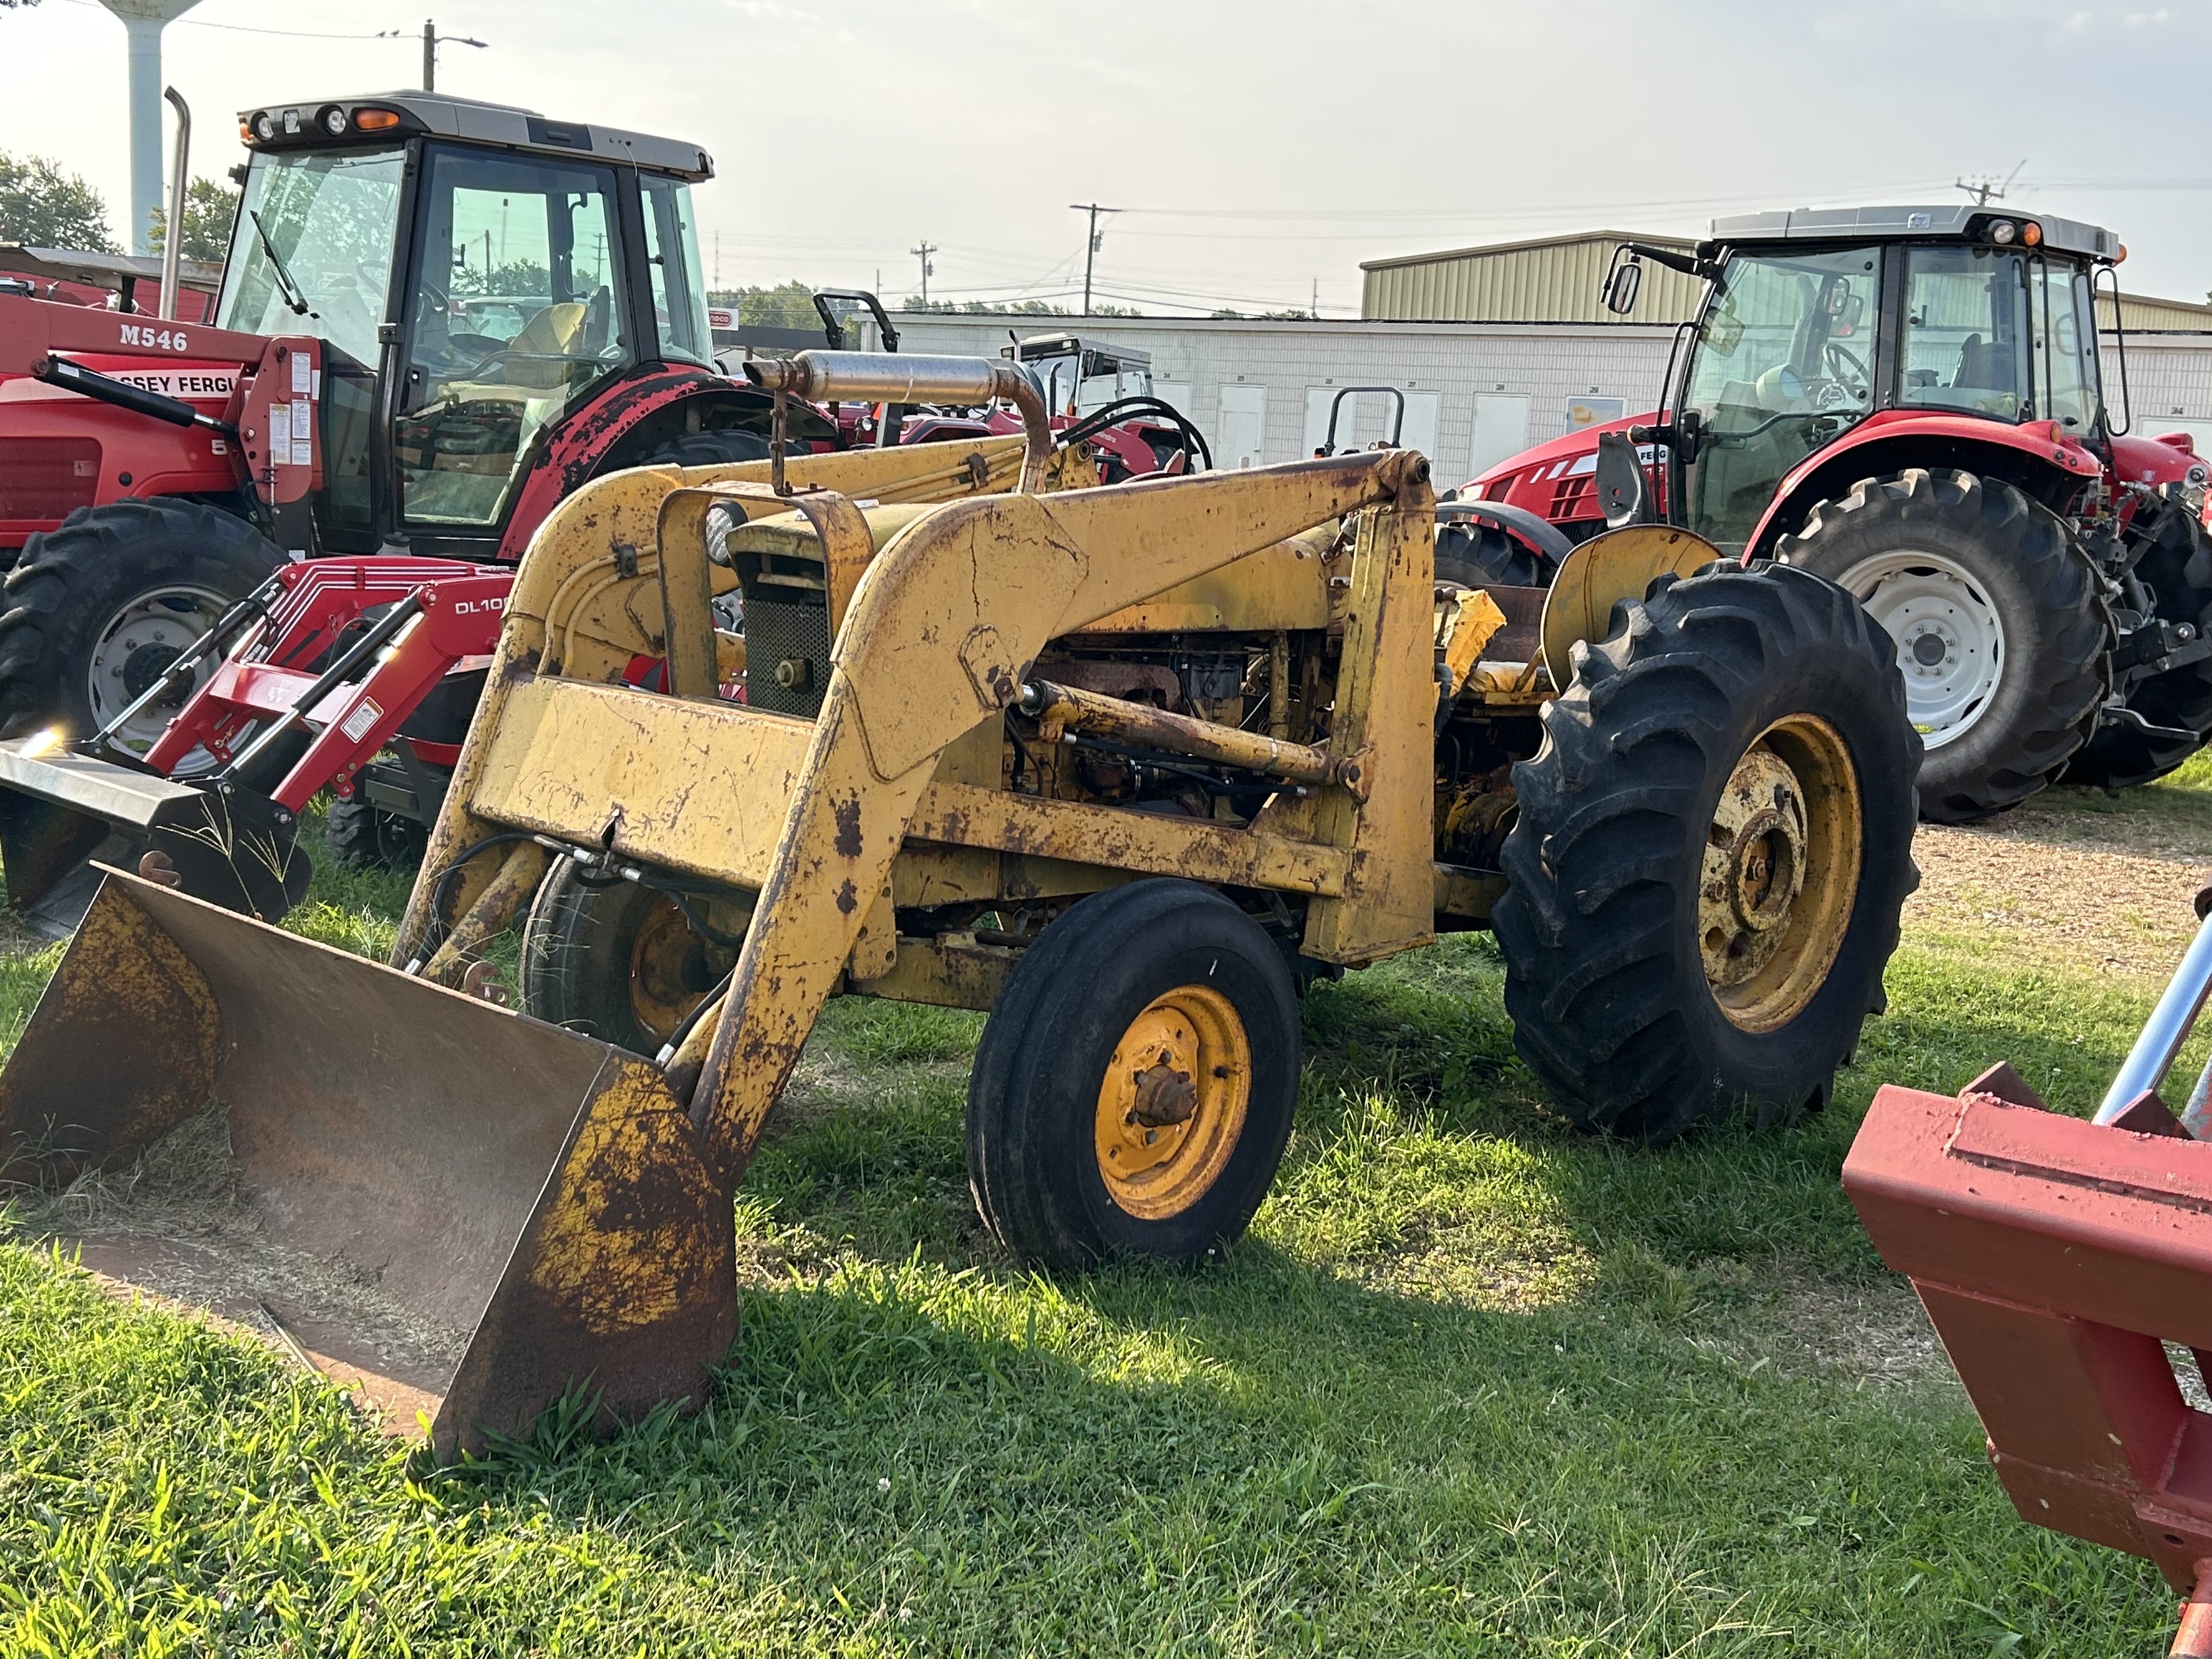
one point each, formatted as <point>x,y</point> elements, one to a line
<point>145,665</point>
<point>1780,872</point>
<point>1950,642</point>
<point>669,973</point>
<point>1172,1101</point>
<point>130,654</point>
<point>1755,868</point>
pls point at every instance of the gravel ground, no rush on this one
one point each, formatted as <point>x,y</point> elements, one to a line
<point>2106,892</point>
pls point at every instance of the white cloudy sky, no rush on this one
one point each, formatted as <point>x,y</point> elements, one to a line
<point>1259,148</point>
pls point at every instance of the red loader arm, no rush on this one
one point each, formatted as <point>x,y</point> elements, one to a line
<point>441,613</point>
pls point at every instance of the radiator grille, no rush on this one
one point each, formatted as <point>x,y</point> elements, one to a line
<point>776,633</point>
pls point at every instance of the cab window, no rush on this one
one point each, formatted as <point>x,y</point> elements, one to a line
<point>1966,330</point>
<point>518,313</point>
<point>672,253</point>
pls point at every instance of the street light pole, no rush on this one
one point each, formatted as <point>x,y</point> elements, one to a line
<point>431,42</point>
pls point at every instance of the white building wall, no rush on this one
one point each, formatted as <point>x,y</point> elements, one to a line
<point>1289,368</point>
<point>1276,372</point>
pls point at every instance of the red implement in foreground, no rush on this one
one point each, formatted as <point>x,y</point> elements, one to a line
<point>2068,1267</point>
<point>330,665</point>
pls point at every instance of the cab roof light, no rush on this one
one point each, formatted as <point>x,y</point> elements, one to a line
<point>264,127</point>
<point>332,119</point>
<point>2031,235</point>
<point>375,120</point>
<point>2003,232</point>
<point>245,133</point>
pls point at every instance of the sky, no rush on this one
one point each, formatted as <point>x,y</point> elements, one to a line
<point>1258,149</point>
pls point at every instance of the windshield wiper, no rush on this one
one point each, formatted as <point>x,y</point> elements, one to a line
<point>293,296</point>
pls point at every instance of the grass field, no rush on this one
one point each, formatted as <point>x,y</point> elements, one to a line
<point>1473,1386</point>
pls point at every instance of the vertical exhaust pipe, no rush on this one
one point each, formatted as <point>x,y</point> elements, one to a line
<point>173,238</point>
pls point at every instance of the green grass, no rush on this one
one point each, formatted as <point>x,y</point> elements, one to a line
<point>1473,1386</point>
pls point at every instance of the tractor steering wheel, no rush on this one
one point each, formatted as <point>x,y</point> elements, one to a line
<point>1848,371</point>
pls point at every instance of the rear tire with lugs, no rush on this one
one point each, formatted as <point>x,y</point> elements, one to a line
<point>2001,629</point>
<point>98,606</point>
<point>1713,848</point>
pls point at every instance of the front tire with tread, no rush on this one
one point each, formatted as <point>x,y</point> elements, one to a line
<point>1033,1093</point>
<point>1600,929</point>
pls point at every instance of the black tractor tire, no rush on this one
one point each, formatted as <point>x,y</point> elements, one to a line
<point>2008,560</point>
<point>366,836</point>
<point>1482,556</point>
<point>1655,778</point>
<point>1167,959</point>
<point>710,449</point>
<point>612,960</point>
<point>74,583</point>
<point>2177,568</point>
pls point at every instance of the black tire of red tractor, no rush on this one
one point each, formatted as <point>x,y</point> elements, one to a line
<point>71,581</point>
<point>2046,595</point>
<point>2177,566</point>
<point>1033,1093</point>
<point>366,836</point>
<point>1483,556</point>
<point>710,449</point>
<point>577,946</point>
<point>1598,928</point>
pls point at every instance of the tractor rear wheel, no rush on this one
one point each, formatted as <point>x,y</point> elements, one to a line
<point>1714,844</point>
<point>1133,1089</point>
<point>2001,629</point>
<point>2177,568</point>
<point>615,960</point>
<point>97,608</point>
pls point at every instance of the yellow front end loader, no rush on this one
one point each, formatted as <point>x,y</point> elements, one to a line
<point>1126,766</point>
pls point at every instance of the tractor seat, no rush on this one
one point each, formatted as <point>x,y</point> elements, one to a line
<point>540,353</point>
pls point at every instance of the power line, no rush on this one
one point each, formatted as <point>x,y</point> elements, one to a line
<point>247,28</point>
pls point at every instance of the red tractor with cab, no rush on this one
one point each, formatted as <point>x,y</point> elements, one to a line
<point>1909,402</point>
<point>438,316</point>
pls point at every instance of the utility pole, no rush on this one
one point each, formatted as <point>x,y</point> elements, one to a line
<point>922,253</point>
<point>1986,190</point>
<point>431,42</point>
<point>1090,248</point>
<point>1314,310</point>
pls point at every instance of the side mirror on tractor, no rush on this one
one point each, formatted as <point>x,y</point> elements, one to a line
<point>1622,282</point>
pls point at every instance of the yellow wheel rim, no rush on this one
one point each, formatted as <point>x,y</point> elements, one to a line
<point>1171,1105</point>
<point>659,989</point>
<point>1781,870</point>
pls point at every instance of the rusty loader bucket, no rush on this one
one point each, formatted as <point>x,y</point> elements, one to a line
<point>435,1194</point>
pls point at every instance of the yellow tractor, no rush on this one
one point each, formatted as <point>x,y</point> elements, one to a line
<point>1126,766</point>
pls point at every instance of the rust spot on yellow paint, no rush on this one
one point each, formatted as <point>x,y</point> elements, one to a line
<point>848,827</point>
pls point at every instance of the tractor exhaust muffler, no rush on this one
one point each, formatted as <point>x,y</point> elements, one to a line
<point>437,1192</point>
<point>905,378</point>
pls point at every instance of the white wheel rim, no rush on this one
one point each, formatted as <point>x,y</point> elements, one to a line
<point>128,654</point>
<point>1950,642</point>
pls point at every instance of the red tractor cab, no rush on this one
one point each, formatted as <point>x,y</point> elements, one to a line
<point>437,318</point>
<point>1910,401</point>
